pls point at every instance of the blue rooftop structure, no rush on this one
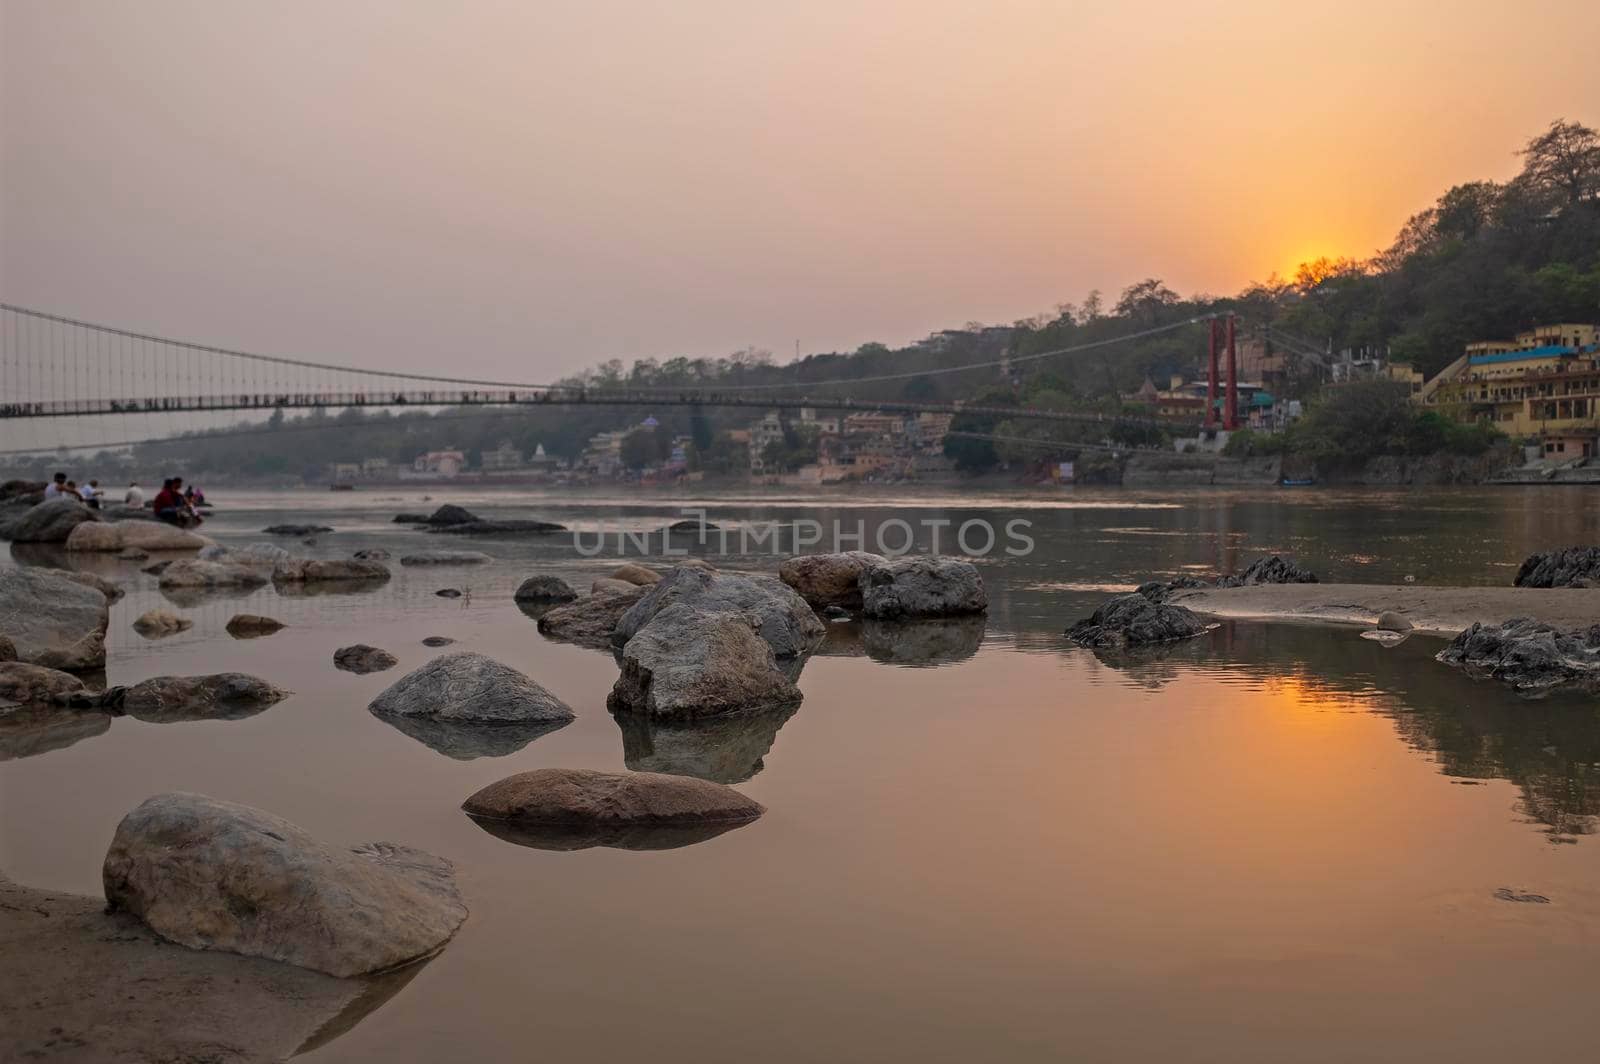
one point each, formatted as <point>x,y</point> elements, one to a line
<point>1547,351</point>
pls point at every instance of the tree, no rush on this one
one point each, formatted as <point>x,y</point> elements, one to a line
<point>1564,159</point>
<point>1145,301</point>
<point>642,448</point>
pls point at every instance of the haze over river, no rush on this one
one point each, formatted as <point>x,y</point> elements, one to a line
<point>1273,843</point>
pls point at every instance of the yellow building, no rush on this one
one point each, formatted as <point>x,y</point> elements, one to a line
<point>1545,383</point>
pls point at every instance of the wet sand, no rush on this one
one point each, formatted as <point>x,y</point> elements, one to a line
<point>1445,610</point>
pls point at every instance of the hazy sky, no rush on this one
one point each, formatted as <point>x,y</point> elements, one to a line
<point>521,189</point>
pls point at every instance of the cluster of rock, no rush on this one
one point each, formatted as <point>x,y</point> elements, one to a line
<point>899,589</point>
<point>1566,567</point>
<point>1530,656</point>
<point>1273,569</point>
<point>50,521</point>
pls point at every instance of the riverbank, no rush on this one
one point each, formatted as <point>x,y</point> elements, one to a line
<point>1442,610</point>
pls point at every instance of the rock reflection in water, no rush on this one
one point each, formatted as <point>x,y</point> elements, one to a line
<point>917,644</point>
<point>467,742</point>
<point>727,749</point>
<point>103,985</point>
<point>325,588</point>
<point>27,731</point>
<point>615,837</point>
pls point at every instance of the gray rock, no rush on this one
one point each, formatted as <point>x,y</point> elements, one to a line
<point>174,699</point>
<point>607,585</point>
<point>448,592</point>
<point>634,573</point>
<point>692,527</point>
<point>8,649</point>
<point>263,554</point>
<point>689,662</point>
<point>450,514</point>
<point>1528,655</point>
<point>51,521</point>
<point>34,684</point>
<point>445,557</point>
<point>787,624</point>
<point>159,623</point>
<point>1161,590</point>
<point>128,513</point>
<point>1133,620</point>
<point>192,573</point>
<point>110,589</point>
<point>213,875</point>
<point>437,641</point>
<point>371,554</point>
<point>469,688</point>
<point>921,587</point>
<point>498,528</point>
<point>295,530</point>
<point>133,554</point>
<point>1270,570</point>
<point>252,625</point>
<point>567,809</point>
<point>105,537</point>
<point>1390,621</point>
<point>410,519</point>
<point>544,589</point>
<point>53,621</point>
<point>329,570</point>
<point>363,659</point>
<point>590,621</point>
<point>829,580</point>
<point>1567,567</point>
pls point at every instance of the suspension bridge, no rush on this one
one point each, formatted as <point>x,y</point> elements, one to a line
<point>55,367</point>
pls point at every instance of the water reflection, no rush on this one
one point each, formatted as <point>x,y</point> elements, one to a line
<point>615,837</point>
<point>726,749</point>
<point>467,742</point>
<point>942,641</point>
<point>32,730</point>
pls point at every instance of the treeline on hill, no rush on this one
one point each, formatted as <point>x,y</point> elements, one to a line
<point>1486,260</point>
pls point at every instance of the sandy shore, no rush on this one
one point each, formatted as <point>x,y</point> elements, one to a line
<point>1445,610</point>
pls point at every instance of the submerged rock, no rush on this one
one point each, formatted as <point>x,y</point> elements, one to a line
<point>788,625</point>
<point>363,659</point>
<point>437,641</point>
<point>295,530</point>
<point>829,580</point>
<point>1567,567</point>
<point>1270,570</point>
<point>252,625</point>
<point>371,554</point>
<point>470,688</point>
<point>160,623</point>
<point>173,699</point>
<point>193,573</point>
<point>569,809</point>
<point>499,528</point>
<point>1528,655</point>
<point>133,535</point>
<point>213,875</point>
<point>544,589</point>
<point>133,554</point>
<point>921,587</point>
<point>329,570</point>
<point>446,557</point>
<point>1391,621</point>
<point>691,662</point>
<point>1133,620</point>
<point>51,521</point>
<point>24,684</point>
<point>590,621</point>
<point>448,592</point>
<point>410,519</point>
<point>264,554</point>
<point>52,620</point>
<point>692,526</point>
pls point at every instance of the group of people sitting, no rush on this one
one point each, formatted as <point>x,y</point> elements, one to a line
<point>174,503</point>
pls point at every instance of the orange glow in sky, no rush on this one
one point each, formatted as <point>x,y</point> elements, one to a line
<point>529,188</point>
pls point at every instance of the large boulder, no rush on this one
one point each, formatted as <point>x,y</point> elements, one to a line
<point>109,588</point>
<point>213,875</point>
<point>173,699</point>
<point>193,573</point>
<point>263,554</point>
<point>1528,655</point>
<point>469,688</point>
<point>362,659</point>
<point>1133,620</point>
<point>328,570</point>
<point>137,535</point>
<point>52,620</point>
<point>544,588</point>
<point>690,662</point>
<point>51,521</point>
<point>907,588</point>
<point>825,580</point>
<point>159,623</point>
<point>788,625</point>
<point>1270,570</point>
<point>556,808</point>
<point>589,621</point>
<point>446,557</point>
<point>34,684</point>
<point>1567,567</point>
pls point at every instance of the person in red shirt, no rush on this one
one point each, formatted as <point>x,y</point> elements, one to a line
<point>168,505</point>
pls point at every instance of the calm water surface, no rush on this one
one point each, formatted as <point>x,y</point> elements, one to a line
<point>1274,843</point>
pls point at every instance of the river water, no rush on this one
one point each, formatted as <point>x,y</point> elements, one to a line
<point>1275,843</point>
